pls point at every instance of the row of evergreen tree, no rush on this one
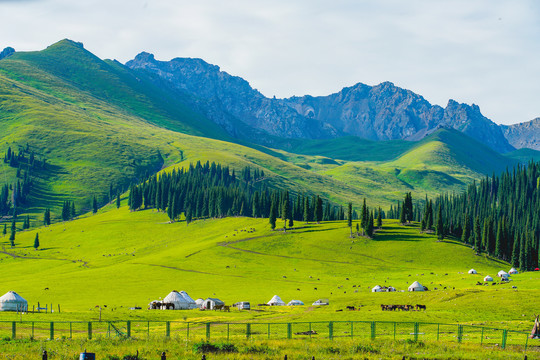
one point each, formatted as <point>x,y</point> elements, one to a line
<point>24,157</point>
<point>499,216</point>
<point>210,190</point>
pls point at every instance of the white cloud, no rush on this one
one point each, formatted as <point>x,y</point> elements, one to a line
<point>481,52</point>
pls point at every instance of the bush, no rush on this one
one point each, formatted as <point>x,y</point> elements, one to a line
<point>333,350</point>
<point>205,347</point>
<point>226,347</point>
<point>365,349</point>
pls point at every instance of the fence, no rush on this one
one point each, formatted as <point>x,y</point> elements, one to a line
<point>414,331</point>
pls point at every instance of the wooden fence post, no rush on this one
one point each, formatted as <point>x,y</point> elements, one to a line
<point>207,331</point>
<point>168,329</point>
<point>51,337</point>
<point>13,330</point>
<point>89,330</point>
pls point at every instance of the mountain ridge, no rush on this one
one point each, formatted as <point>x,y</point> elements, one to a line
<point>381,112</point>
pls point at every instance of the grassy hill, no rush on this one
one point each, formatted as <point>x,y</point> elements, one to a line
<point>97,123</point>
<point>122,259</point>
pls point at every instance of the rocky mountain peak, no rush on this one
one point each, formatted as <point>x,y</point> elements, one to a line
<point>6,52</point>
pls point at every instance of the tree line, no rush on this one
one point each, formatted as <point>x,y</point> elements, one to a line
<point>211,190</point>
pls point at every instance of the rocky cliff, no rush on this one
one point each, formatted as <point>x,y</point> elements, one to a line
<point>523,135</point>
<point>382,112</point>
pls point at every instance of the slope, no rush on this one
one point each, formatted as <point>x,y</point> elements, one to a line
<point>123,259</point>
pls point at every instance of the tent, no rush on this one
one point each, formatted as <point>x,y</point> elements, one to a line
<point>211,303</point>
<point>472,271</point>
<point>513,271</point>
<point>416,286</point>
<point>11,301</point>
<point>199,302</point>
<point>295,302</point>
<point>377,288</point>
<point>177,300</point>
<point>502,274</point>
<point>488,278</point>
<point>276,301</point>
<point>391,289</point>
<point>191,303</point>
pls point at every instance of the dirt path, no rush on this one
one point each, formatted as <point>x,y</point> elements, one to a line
<point>189,270</point>
<point>17,256</point>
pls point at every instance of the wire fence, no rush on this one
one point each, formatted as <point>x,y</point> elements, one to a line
<point>413,331</point>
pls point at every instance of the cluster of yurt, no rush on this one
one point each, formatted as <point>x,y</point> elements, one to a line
<point>174,301</point>
<point>276,301</point>
<point>378,288</point>
<point>11,301</point>
<point>502,274</point>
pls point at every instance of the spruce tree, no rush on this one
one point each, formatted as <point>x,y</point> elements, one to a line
<point>73,213</point>
<point>273,216</point>
<point>118,200</point>
<point>365,217</point>
<point>349,217</point>
<point>319,211</point>
<point>5,229</point>
<point>515,252</point>
<point>403,214</point>
<point>440,224</point>
<point>36,241</point>
<point>306,210</point>
<point>370,228</point>
<point>285,210</point>
<point>477,235</point>
<point>379,218</point>
<point>12,236</point>
<point>95,205</point>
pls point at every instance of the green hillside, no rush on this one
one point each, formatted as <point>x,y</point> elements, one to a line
<point>98,124</point>
<point>122,259</point>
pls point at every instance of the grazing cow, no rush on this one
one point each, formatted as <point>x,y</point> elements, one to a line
<point>420,307</point>
<point>352,308</point>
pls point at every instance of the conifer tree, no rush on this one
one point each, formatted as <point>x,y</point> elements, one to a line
<point>47,217</point>
<point>118,200</point>
<point>273,215</point>
<point>440,224</point>
<point>466,229</point>
<point>370,228</point>
<point>349,217</point>
<point>379,218</point>
<point>365,217</point>
<point>5,230</point>
<point>306,210</point>
<point>477,235</point>
<point>402,214</point>
<point>285,210</point>
<point>12,236</point>
<point>516,252</point>
<point>73,212</point>
<point>36,241</point>
<point>95,205</point>
<point>319,211</point>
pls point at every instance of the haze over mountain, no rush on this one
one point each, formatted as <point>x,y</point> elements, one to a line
<point>382,112</point>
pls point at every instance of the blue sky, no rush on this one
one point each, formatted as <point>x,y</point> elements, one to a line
<point>483,52</point>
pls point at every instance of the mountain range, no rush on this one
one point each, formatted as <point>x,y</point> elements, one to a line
<point>101,124</point>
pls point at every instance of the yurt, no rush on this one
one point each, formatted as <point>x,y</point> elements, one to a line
<point>177,300</point>
<point>488,278</point>
<point>191,303</point>
<point>11,301</point>
<point>513,271</point>
<point>199,302</point>
<point>276,301</point>
<point>502,274</point>
<point>472,271</point>
<point>321,302</point>
<point>211,303</point>
<point>295,302</point>
<point>416,286</point>
<point>377,288</point>
<point>391,289</point>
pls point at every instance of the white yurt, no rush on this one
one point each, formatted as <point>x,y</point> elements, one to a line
<point>502,274</point>
<point>199,302</point>
<point>321,302</point>
<point>391,289</point>
<point>513,271</point>
<point>295,302</point>
<point>416,286</point>
<point>377,288</point>
<point>11,301</point>
<point>488,278</point>
<point>191,303</point>
<point>177,300</point>
<point>211,303</point>
<point>472,271</point>
<point>276,301</point>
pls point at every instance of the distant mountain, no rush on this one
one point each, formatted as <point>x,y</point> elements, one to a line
<point>382,112</point>
<point>523,135</point>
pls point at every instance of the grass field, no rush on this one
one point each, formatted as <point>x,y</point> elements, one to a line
<point>123,259</point>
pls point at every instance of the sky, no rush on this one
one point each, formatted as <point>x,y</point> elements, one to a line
<point>483,52</point>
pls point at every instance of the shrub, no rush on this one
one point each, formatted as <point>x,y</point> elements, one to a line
<point>226,347</point>
<point>205,347</point>
<point>364,349</point>
<point>333,350</point>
